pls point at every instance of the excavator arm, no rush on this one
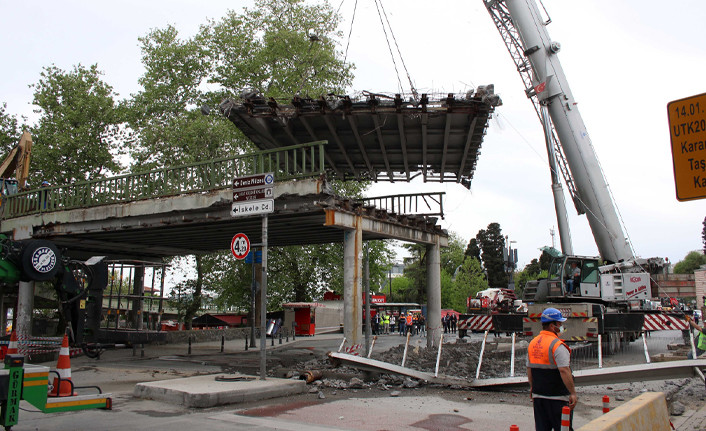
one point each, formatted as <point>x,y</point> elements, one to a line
<point>16,164</point>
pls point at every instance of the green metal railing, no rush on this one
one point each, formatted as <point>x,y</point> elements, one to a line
<point>297,161</point>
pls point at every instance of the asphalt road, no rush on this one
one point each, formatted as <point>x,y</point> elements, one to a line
<point>425,407</point>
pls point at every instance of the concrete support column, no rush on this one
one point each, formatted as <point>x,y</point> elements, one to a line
<point>352,291</point>
<point>434,328</point>
<point>138,290</point>
<point>25,307</point>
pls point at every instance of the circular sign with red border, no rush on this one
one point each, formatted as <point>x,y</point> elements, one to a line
<point>240,246</point>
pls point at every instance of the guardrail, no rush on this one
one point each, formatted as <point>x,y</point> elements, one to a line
<point>427,204</point>
<point>297,161</point>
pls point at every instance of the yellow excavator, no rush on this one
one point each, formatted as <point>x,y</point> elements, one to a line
<point>14,169</point>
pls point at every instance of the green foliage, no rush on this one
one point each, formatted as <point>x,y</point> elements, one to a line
<point>472,250</point>
<point>166,114</point>
<point>453,263</point>
<point>531,268</point>
<point>228,279</point>
<point>268,49</point>
<point>452,256</point>
<point>279,48</point>
<point>402,290</point>
<point>690,262</point>
<point>469,280</point>
<point>491,243</point>
<point>527,274</point>
<point>9,131</point>
<point>79,130</point>
<point>415,272</point>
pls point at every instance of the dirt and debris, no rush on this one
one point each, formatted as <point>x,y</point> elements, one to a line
<point>458,360</point>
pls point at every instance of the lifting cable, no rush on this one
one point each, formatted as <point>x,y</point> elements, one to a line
<point>350,30</point>
<point>409,78</point>
<point>384,30</point>
<point>381,11</point>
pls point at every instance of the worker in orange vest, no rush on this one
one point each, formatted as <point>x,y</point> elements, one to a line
<point>409,322</point>
<point>549,374</point>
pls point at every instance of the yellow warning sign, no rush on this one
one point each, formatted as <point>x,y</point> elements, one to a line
<point>687,130</point>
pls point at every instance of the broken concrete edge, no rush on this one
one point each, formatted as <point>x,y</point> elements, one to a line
<point>384,367</point>
<point>588,377</point>
<point>205,391</point>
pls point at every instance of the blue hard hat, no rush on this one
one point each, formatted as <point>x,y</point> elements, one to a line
<point>552,315</point>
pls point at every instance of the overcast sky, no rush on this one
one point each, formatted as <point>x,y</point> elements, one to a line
<point>624,60</point>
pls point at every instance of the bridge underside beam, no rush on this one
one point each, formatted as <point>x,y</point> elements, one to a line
<point>345,220</point>
<point>202,223</point>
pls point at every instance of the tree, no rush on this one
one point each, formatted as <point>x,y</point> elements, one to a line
<point>468,282</point>
<point>451,259</point>
<point>472,250</point>
<point>79,130</point>
<point>402,290</point>
<point>166,115</point>
<point>278,49</point>
<point>690,262</point>
<point>415,272</point>
<point>491,243</point>
<point>9,131</point>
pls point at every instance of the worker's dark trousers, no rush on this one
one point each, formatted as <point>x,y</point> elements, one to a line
<point>547,414</point>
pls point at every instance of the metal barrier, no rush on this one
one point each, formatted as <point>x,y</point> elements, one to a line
<point>422,204</point>
<point>297,161</point>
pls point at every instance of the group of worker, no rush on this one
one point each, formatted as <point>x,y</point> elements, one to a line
<point>409,322</point>
<point>449,322</point>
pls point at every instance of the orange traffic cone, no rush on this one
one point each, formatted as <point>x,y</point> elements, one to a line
<point>12,347</point>
<point>63,387</point>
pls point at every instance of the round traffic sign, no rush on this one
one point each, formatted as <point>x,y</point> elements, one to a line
<point>240,246</point>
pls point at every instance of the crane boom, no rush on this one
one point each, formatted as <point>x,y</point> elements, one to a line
<point>549,87</point>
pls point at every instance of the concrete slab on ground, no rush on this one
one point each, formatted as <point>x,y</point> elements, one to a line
<point>403,413</point>
<point>218,389</point>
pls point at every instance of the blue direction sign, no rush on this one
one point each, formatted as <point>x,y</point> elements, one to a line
<point>257,254</point>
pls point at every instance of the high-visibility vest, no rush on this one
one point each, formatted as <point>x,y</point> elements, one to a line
<point>409,319</point>
<point>386,319</point>
<point>546,379</point>
<point>702,341</point>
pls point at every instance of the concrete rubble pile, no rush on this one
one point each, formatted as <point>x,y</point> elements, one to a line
<point>458,360</point>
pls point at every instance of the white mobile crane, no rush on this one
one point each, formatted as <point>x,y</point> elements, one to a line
<point>612,292</point>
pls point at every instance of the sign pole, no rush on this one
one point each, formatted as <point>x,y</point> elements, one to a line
<point>263,303</point>
<point>253,292</point>
<point>366,283</point>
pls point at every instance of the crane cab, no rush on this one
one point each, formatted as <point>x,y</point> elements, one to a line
<point>613,283</point>
<point>576,276</point>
